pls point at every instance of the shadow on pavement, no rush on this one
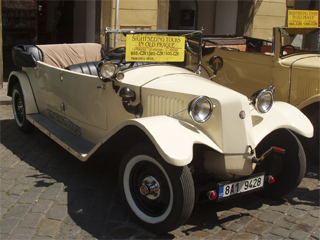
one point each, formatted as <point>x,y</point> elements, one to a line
<point>93,200</point>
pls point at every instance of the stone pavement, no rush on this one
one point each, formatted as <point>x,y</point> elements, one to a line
<point>4,99</point>
<point>46,193</point>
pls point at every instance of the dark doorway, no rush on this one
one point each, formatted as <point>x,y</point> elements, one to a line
<point>19,21</point>
<point>55,22</point>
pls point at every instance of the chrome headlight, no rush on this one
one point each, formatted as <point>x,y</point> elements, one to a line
<point>200,109</point>
<point>108,69</point>
<point>263,100</point>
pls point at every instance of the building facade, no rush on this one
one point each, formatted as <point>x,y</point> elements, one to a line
<point>47,22</point>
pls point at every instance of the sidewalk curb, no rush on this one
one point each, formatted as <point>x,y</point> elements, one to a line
<point>4,99</point>
<point>5,102</point>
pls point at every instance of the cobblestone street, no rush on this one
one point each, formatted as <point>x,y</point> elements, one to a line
<point>46,193</point>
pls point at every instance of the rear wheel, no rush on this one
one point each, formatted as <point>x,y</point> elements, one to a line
<point>288,169</point>
<point>19,110</point>
<point>160,196</point>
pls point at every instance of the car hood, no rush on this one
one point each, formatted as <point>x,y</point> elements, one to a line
<point>310,61</point>
<point>139,76</point>
<point>179,80</point>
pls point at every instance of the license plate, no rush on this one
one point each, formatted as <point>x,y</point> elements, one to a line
<point>247,185</point>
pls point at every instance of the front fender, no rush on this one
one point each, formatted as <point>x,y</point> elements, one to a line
<point>309,101</point>
<point>282,115</point>
<point>173,138</point>
<point>22,78</point>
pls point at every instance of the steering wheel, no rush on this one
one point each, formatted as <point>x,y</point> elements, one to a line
<point>120,55</point>
<point>287,46</point>
<point>123,54</point>
<point>118,47</point>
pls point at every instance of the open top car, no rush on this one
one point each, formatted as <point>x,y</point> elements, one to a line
<point>183,138</point>
<point>290,62</point>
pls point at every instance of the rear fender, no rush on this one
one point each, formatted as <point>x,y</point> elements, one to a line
<point>173,139</point>
<point>282,115</point>
<point>29,100</point>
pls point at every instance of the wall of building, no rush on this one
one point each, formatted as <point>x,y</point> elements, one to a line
<point>79,18</point>
<point>91,21</point>
<point>306,4</point>
<point>206,17</point>
<point>271,13</point>
<point>1,54</point>
<point>226,17</point>
<point>134,15</point>
<point>203,15</point>
<point>84,21</point>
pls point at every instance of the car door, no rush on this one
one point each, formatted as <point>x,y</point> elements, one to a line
<point>48,88</point>
<point>244,72</point>
<point>85,104</point>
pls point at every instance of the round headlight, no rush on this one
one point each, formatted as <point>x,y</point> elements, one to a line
<point>108,69</point>
<point>200,109</point>
<point>263,100</point>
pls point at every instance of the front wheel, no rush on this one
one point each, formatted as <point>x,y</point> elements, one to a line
<point>160,196</point>
<point>288,169</point>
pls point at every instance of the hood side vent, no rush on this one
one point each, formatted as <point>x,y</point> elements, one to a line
<point>159,105</point>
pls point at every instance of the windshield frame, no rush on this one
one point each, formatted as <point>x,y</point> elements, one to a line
<point>295,32</point>
<point>124,32</point>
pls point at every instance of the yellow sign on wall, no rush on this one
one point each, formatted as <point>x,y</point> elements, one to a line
<point>154,48</point>
<point>303,19</point>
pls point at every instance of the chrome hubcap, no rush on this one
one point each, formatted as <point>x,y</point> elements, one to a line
<point>150,188</point>
<point>20,107</point>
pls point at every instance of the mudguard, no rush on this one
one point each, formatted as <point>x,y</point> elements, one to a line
<point>174,140</point>
<point>282,115</point>
<point>309,101</point>
<point>30,103</point>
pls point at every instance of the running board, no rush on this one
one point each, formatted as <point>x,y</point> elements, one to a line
<point>77,146</point>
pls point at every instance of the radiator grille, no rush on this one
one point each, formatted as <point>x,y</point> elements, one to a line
<point>304,88</point>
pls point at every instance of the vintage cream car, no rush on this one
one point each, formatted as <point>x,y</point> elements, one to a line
<point>290,62</point>
<point>184,139</point>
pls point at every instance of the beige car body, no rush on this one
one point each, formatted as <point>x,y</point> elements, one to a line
<point>180,138</point>
<point>295,77</point>
<point>178,133</point>
<point>91,112</point>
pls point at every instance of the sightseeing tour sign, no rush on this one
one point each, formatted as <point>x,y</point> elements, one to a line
<point>154,48</point>
<point>303,19</point>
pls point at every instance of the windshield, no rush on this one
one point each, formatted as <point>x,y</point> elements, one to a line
<point>296,41</point>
